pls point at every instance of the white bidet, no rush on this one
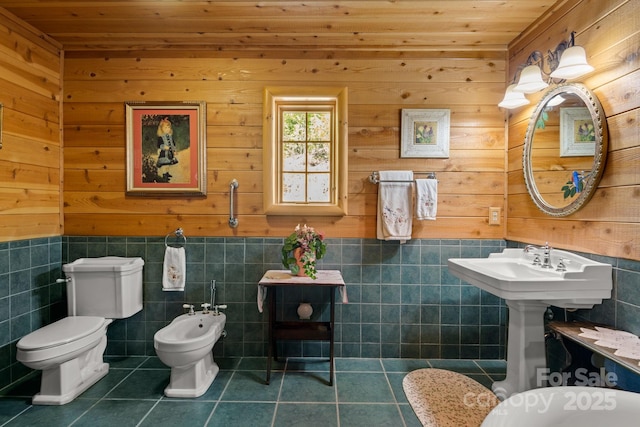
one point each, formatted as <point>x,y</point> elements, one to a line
<point>185,345</point>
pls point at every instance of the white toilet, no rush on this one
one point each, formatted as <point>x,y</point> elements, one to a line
<point>69,352</point>
<point>185,345</point>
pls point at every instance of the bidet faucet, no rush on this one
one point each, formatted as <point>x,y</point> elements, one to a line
<point>190,308</point>
<point>213,293</point>
<point>218,307</point>
<point>546,255</point>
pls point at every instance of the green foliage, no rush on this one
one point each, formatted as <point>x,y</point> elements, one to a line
<point>294,126</point>
<point>542,120</point>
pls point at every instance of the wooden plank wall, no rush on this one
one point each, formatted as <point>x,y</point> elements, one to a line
<point>30,159</point>
<point>231,84</point>
<point>610,223</point>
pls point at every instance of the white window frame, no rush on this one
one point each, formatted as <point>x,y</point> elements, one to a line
<point>272,162</point>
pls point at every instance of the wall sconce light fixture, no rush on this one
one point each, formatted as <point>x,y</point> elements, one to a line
<point>513,99</point>
<point>573,64</point>
<point>530,80</point>
<point>567,61</point>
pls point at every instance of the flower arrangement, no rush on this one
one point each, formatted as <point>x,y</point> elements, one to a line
<point>308,245</point>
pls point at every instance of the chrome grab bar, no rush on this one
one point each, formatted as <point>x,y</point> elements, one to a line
<point>233,186</point>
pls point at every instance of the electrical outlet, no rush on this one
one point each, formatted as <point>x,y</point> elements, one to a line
<point>494,216</point>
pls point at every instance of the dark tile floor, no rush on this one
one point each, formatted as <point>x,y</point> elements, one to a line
<point>366,392</point>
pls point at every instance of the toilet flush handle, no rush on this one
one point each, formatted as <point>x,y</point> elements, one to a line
<point>63,280</point>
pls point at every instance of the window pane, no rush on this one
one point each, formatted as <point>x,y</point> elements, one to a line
<point>293,157</point>
<point>294,125</point>
<point>319,126</point>
<point>319,187</point>
<point>319,157</point>
<point>293,187</point>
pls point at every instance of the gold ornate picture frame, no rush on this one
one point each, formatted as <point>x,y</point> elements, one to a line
<point>166,148</point>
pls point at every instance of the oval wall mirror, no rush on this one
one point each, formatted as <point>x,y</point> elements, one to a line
<point>565,149</point>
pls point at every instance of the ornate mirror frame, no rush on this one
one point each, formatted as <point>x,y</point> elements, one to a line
<point>600,154</point>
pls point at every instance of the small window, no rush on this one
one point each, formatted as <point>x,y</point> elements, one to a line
<point>305,157</point>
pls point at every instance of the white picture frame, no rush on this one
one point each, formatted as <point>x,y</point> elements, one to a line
<point>425,133</point>
<point>577,132</point>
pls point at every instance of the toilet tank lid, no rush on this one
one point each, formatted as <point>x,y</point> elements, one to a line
<point>107,263</point>
<point>63,331</point>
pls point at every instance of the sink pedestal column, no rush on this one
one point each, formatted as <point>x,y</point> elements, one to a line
<point>525,348</point>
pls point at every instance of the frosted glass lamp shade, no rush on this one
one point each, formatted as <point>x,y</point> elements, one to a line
<point>573,64</point>
<point>513,99</point>
<point>530,80</point>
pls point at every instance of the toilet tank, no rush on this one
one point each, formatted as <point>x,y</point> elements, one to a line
<point>110,287</point>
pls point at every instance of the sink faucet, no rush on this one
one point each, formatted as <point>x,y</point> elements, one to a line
<point>546,255</point>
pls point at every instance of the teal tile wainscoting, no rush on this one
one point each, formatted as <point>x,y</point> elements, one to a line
<point>29,296</point>
<point>403,303</point>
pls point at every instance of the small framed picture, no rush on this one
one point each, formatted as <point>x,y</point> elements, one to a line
<point>577,132</point>
<point>425,133</point>
<point>166,148</point>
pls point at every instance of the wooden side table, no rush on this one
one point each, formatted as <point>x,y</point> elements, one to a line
<point>299,330</point>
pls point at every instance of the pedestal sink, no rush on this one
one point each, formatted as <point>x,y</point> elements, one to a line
<point>528,290</point>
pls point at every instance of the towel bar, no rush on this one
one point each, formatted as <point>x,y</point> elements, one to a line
<point>374,178</point>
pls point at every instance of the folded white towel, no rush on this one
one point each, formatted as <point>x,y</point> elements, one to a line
<point>426,198</point>
<point>174,271</point>
<point>395,200</point>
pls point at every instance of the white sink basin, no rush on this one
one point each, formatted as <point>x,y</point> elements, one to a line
<point>510,275</point>
<point>567,406</point>
<point>528,290</point>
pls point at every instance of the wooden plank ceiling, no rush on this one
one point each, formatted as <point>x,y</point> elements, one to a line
<point>373,25</point>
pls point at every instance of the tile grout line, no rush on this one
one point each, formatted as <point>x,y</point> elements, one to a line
<point>275,409</point>
<point>109,391</point>
<point>213,410</point>
<point>17,415</point>
<point>335,392</point>
<point>395,400</point>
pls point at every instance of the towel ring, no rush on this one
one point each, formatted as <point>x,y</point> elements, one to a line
<point>178,234</point>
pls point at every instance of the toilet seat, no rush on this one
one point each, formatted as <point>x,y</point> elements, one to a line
<point>64,336</point>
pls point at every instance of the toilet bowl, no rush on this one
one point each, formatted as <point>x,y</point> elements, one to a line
<point>185,345</point>
<point>69,352</point>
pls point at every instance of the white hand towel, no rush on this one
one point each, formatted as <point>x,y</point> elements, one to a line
<point>343,294</point>
<point>395,211</point>
<point>426,198</point>
<point>174,271</point>
<point>262,296</point>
